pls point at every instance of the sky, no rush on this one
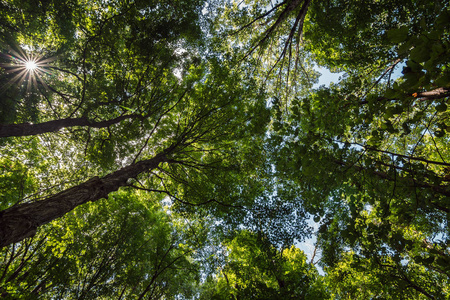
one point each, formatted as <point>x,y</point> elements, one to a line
<point>327,77</point>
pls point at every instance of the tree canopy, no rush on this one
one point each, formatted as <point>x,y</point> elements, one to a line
<point>183,149</point>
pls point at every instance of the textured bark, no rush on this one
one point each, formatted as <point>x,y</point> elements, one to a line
<point>21,221</point>
<point>26,129</point>
<point>434,94</point>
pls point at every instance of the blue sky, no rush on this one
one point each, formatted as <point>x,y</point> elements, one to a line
<point>327,77</point>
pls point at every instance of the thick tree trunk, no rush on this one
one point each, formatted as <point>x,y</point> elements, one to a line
<point>21,221</point>
<point>26,129</point>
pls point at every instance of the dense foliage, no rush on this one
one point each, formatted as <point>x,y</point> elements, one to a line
<point>180,149</point>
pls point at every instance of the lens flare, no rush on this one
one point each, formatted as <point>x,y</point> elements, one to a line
<point>30,65</point>
<point>21,67</point>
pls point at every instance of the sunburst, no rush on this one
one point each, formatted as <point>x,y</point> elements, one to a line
<point>31,65</point>
<point>24,68</point>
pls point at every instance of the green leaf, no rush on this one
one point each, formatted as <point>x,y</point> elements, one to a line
<point>429,260</point>
<point>415,67</point>
<point>398,35</point>
<point>439,133</point>
<point>406,128</point>
<point>443,80</point>
<point>420,53</point>
<point>441,107</point>
<point>398,109</point>
<point>127,108</point>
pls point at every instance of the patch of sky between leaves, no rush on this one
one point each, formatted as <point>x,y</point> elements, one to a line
<point>326,77</point>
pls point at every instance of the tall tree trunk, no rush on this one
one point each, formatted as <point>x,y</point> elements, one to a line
<point>26,129</point>
<point>21,221</point>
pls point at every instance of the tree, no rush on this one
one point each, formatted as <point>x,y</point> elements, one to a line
<point>118,99</point>
<point>189,132</point>
<point>200,107</point>
<point>86,53</point>
<point>179,129</point>
<point>368,156</point>
<point>98,252</point>
<point>255,269</point>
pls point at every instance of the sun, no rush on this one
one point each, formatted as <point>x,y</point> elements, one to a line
<point>31,65</point>
<point>23,67</point>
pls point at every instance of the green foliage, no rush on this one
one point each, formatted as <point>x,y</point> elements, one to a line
<point>255,269</point>
<point>252,154</point>
<point>15,182</point>
<point>125,245</point>
<point>369,157</point>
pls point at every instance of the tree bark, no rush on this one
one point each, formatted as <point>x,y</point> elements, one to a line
<point>433,94</point>
<point>26,129</point>
<point>21,221</point>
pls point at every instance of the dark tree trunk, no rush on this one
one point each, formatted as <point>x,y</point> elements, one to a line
<point>26,129</point>
<point>21,221</point>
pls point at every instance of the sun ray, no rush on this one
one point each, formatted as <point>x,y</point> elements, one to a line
<point>21,65</point>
